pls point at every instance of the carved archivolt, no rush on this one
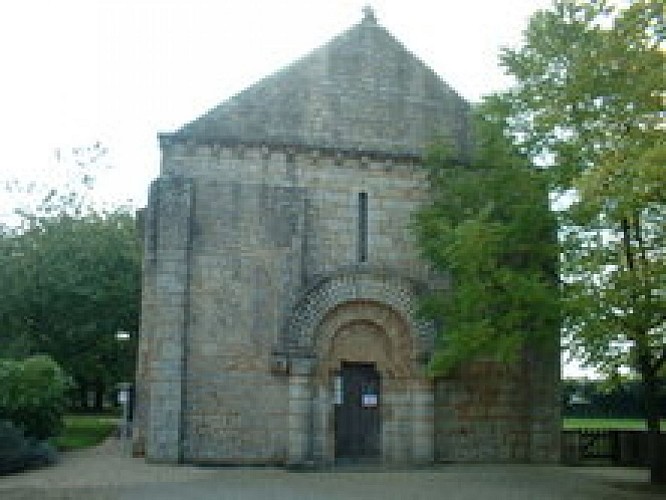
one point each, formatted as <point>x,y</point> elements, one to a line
<point>362,331</point>
<point>363,303</point>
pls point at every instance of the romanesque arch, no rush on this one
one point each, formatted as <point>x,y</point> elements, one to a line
<point>365,331</point>
<point>395,294</point>
<point>368,319</point>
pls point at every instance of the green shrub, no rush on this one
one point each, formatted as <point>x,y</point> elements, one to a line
<point>32,395</point>
<point>18,452</point>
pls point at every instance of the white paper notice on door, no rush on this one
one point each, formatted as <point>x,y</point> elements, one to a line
<point>369,400</point>
<point>337,389</point>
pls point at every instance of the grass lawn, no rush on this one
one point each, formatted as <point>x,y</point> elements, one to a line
<point>571,423</point>
<point>83,431</point>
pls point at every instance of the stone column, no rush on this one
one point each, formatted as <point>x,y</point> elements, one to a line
<point>300,419</point>
<point>323,422</point>
<point>423,418</point>
<point>165,315</point>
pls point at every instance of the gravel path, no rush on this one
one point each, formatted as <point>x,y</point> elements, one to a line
<point>103,473</point>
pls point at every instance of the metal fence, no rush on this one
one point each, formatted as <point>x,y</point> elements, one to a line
<point>608,447</point>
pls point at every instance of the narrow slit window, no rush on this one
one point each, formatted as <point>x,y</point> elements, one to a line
<point>363,227</point>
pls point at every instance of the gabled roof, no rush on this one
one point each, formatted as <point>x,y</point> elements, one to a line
<point>362,91</point>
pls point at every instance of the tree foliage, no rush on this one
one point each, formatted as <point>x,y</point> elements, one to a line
<point>33,395</point>
<point>615,268</point>
<point>590,85</point>
<point>489,229</point>
<point>589,103</point>
<point>590,98</point>
<point>69,285</point>
<point>71,280</point>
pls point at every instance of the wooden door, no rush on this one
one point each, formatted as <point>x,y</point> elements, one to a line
<point>357,425</point>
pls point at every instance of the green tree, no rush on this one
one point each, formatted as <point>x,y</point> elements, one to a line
<point>71,271</point>
<point>589,102</point>
<point>590,85</point>
<point>489,229</point>
<point>70,283</point>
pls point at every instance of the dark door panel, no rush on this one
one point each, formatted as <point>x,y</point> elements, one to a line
<point>357,426</point>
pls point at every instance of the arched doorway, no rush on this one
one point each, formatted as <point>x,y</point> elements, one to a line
<point>368,372</point>
<point>358,349</point>
<point>359,323</point>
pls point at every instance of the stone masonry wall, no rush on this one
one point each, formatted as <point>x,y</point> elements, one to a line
<point>544,382</point>
<point>262,227</point>
<point>267,224</point>
<point>246,270</point>
<point>482,415</point>
<point>490,412</point>
<point>333,181</point>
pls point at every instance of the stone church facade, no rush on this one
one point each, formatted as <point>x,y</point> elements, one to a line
<point>281,280</point>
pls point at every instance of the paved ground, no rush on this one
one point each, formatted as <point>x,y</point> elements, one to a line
<point>103,473</point>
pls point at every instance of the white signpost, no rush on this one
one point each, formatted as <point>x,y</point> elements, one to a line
<point>124,400</point>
